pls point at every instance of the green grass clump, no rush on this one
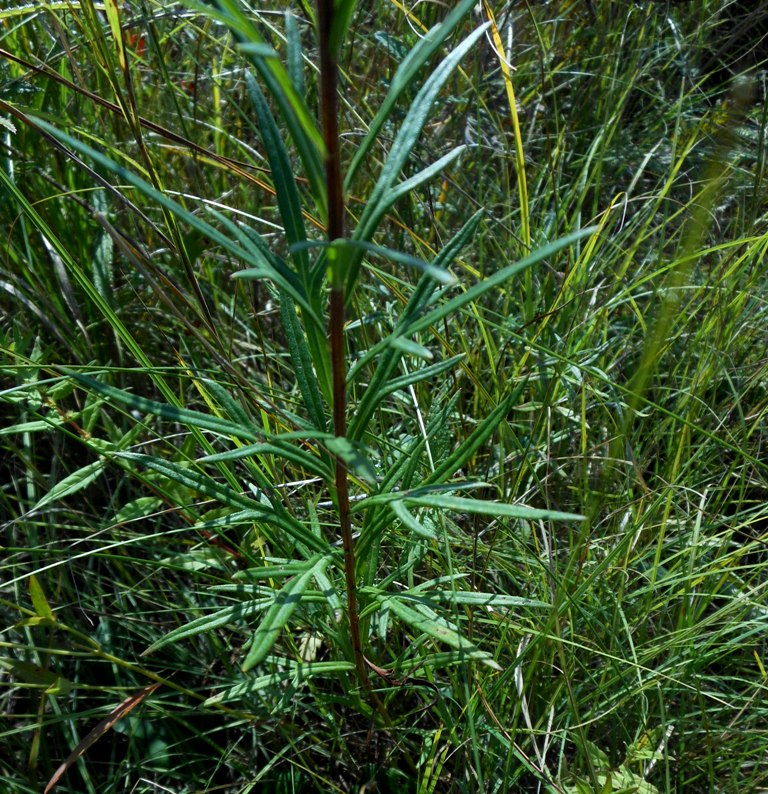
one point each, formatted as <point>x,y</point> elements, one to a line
<point>383,396</point>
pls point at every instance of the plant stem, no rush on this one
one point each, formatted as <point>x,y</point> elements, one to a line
<point>335,228</point>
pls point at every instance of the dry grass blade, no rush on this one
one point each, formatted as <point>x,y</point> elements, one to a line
<point>99,730</point>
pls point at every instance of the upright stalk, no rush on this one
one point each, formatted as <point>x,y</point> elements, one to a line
<point>329,115</point>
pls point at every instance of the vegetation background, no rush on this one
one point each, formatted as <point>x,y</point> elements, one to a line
<point>553,420</point>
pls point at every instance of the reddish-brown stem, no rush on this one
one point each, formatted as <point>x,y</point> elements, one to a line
<point>329,115</point>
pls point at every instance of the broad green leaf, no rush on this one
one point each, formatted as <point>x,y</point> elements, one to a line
<point>386,497</point>
<point>39,601</point>
<point>232,407</point>
<point>439,629</point>
<point>440,275</point>
<point>279,613</point>
<point>410,348</point>
<point>75,482</point>
<point>35,427</point>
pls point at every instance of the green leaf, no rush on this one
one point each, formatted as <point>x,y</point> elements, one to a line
<point>236,613</point>
<point>387,353</point>
<point>471,598</point>
<point>300,122</point>
<point>184,416</point>
<point>383,194</point>
<point>34,674</point>
<point>482,432</point>
<point>497,279</point>
<point>440,275</point>
<point>427,46</point>
<point>286,192</point>
<point>262,269</point>
<point>409,521</point>
<point>432,371</point>
<point>255,511</point>
<point>276,571</point>
<point>439,629</point>
<point>343,10</point>
<point>39,601</point>
<point>197,481</point>
<point>460,504</point>
<point>138,508</point>
<point>310,462</point>
<point>354,457</point>
<point>75,482</point>
<point>292,527</point>
<point>295,61</point>
<point>302,363</point>
<point>296,672</point>
<point>280,612</point>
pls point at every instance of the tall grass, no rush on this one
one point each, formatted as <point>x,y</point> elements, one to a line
<point>387,385</point>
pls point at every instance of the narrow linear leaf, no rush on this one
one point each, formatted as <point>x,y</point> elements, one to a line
<point>460,504</point>
<point>310,462</point>
<point>470,598</point>
<point>383,194</point>
<point>439,629</point>
<point>354,458</point>
<point>197,481</point>
<point>75,482</point>
<point>295,672</point>
<point>236,614</point>
<point>39,601</point>
<point>184,416</point>
<point>278,615</point>
<point>432,371</point>
<point>302,363</point>
<point>409,521</point>
<point>194,221</point>
<point>404,76</point>
<point>273,515</point>
<point>497,279</point>
<point>286,192</point>
<point>484,430</point>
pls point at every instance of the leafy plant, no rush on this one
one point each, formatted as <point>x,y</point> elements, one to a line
<point>304,407</point>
